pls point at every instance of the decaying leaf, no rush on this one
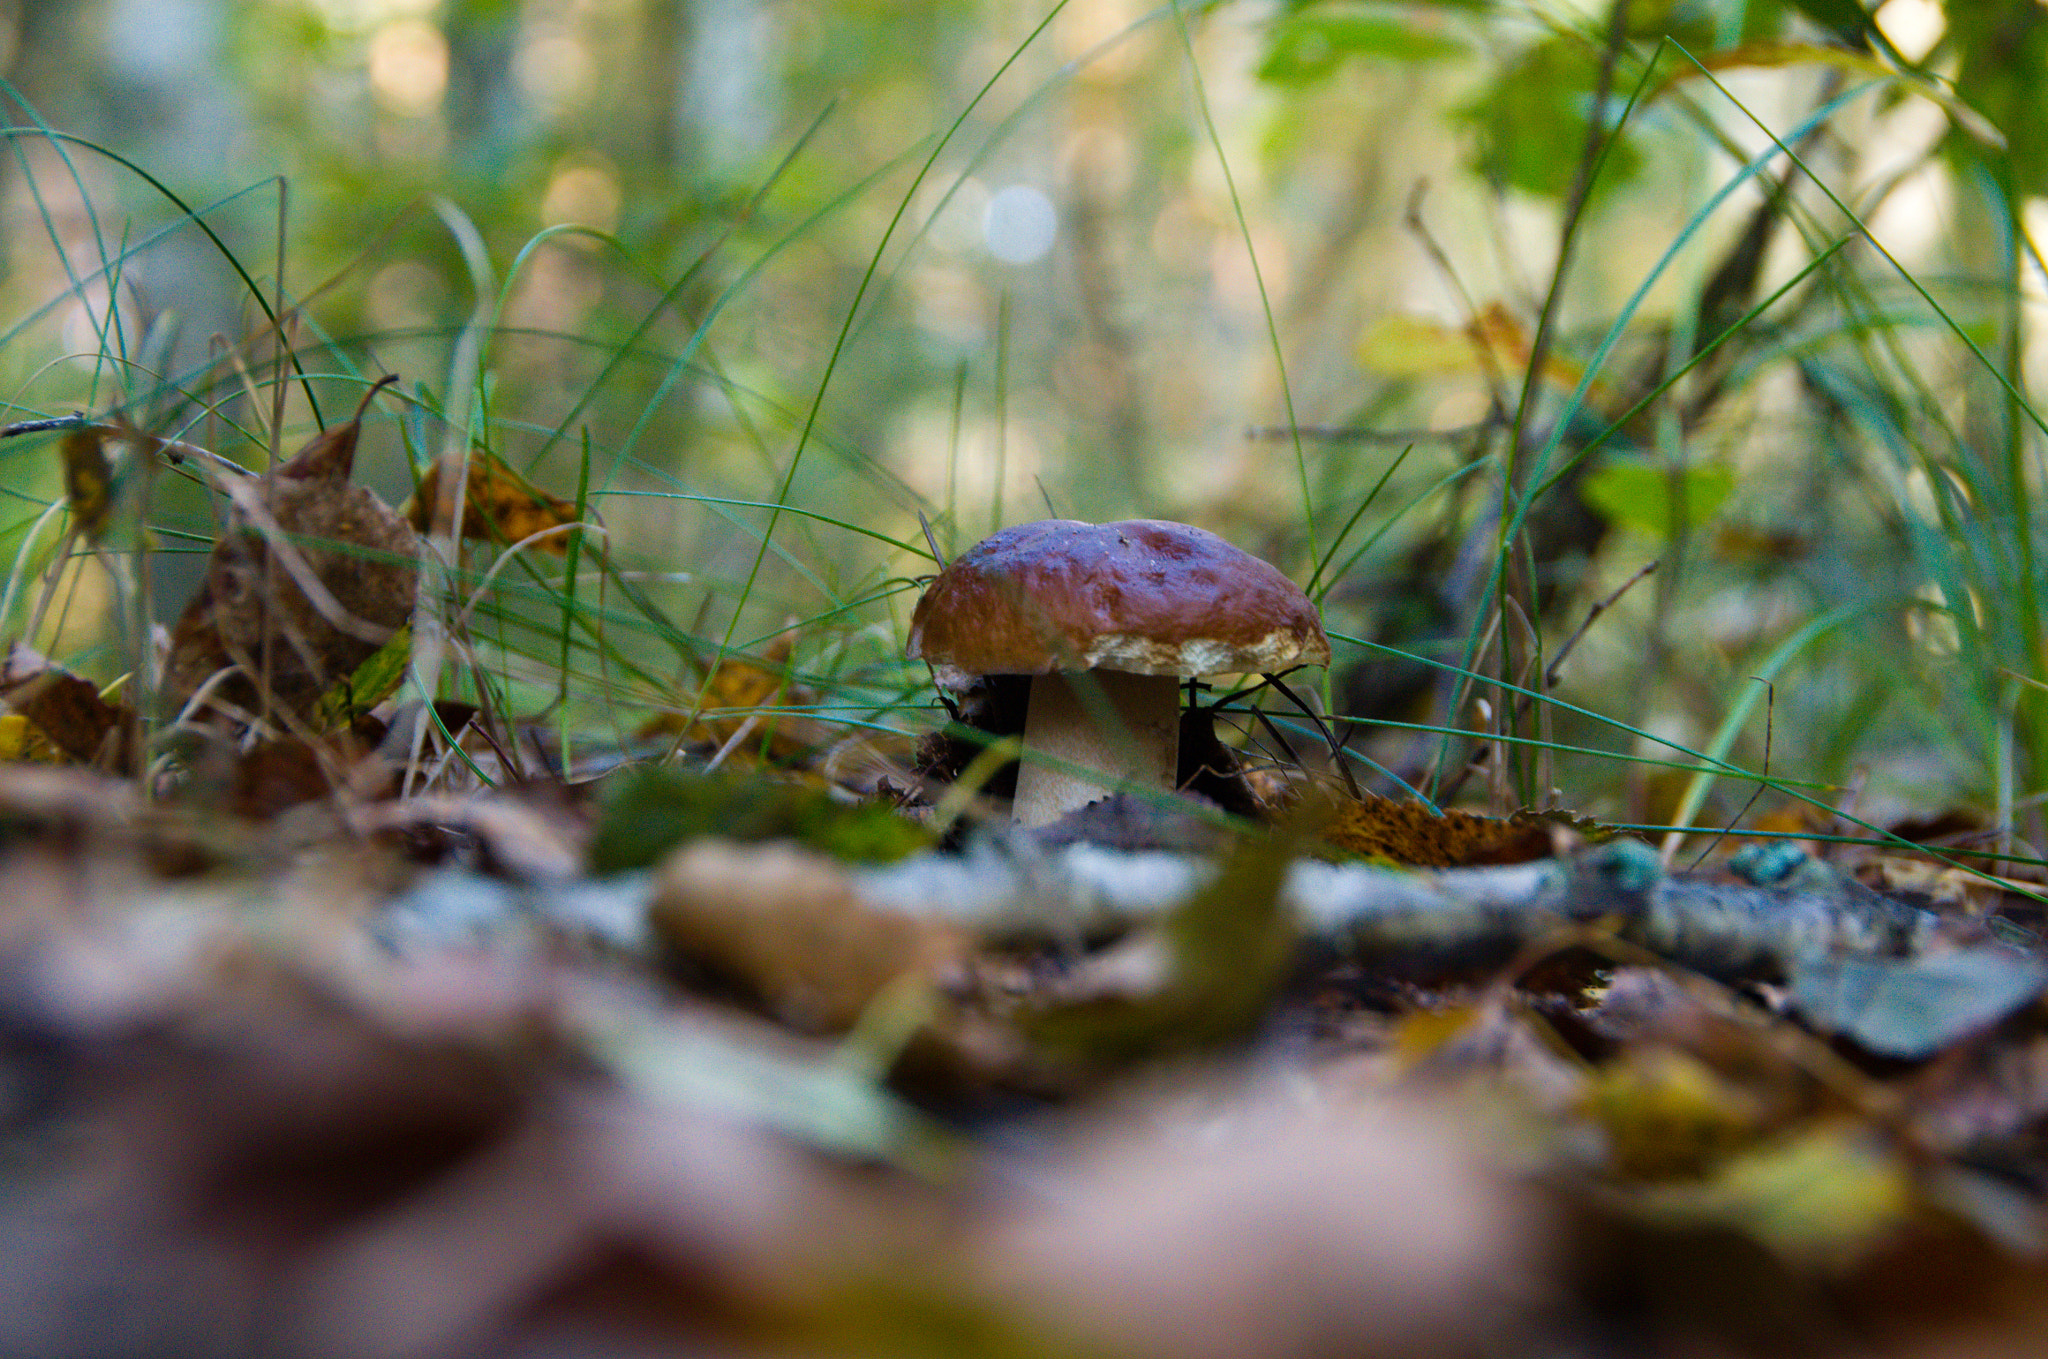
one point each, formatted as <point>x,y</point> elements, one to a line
<point>532,836</point>
<point>1825,1198</point>
<point>1255,1230</point>
<point>88,479</point>
<point>276,775</point>
<point>375,680</point>
<point>1410,834</point>
<point>20,739</point>
<point>789,926</point>
<point>310,577</point>
<point>67,710</point>
<point>741,705</point>
<point>503,506</point>
<point>1670,1116</point>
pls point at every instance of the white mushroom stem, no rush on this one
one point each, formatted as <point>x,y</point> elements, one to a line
<point>1086,733</point>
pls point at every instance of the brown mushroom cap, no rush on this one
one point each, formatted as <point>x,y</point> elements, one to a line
<point>1143,596</point>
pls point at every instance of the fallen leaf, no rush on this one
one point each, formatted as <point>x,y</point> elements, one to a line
<point>1411,835</point>
<point>276,775</point>
<point>20,739</point>
<point>376,679</point>
<point>310,578</point>
<point>1252,1231</point>
<point>88,479</point>
<point>1915,1007</point>
<point>740,708</point>
<point>67,710</point>
<point>1825,1198</point>
<point>1670,1116</point>
<point>788,925</point>
<point>502,506</point>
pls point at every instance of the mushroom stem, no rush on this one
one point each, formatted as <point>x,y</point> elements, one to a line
<point>1087,732</point>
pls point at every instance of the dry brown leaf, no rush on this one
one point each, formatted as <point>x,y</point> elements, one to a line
<point>310,577</point>
<point>1946,887</point>
<point>503,507</point>
<point>532,835</point>
<point>1410,834</point>
<point>276,775</point>
<point>67,710</point>
<point>787,924</point>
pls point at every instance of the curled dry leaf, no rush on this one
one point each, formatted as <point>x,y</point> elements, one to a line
<point>503,506</point>
<point>310,577</point>
<point>788,925</point>
<point>67,710</point>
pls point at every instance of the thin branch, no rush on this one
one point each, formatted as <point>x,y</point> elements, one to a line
<point>1358,434</point>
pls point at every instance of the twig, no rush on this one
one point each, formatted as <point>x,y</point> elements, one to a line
<point>176,450</point>
<point>75,420</point>
<point>1550,672</point>
<point>1597,142</point>
<point>1575,208</point>
<point>1357,434</point>
<point>931,539</point>
<point>1600,606</point>
<point>1011,888</point>
<point>1770,712</point>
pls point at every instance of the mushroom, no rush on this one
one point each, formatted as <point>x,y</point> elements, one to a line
<point>1138,606</point>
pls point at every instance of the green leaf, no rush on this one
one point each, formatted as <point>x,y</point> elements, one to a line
<point>375,680</point>
<point>1530,123</point>
<point>1638,495</point>
<point>2004,76</point>
<point>1845,20</point>
<point>1309,46</point>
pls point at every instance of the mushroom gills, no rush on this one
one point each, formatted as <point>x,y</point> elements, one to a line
<point>1087,733</point>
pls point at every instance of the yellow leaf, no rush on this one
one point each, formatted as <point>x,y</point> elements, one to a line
<point>1494,344</point>
<point>88,479</point>
<point>1825,1198</point>
<point>743,701</point>
<point>503,506</point>
<point>20,740</point>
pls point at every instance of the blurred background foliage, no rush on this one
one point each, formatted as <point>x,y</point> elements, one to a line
<point>1161,239</point>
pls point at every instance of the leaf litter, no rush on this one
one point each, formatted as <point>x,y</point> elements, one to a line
<point>308,1044</point>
